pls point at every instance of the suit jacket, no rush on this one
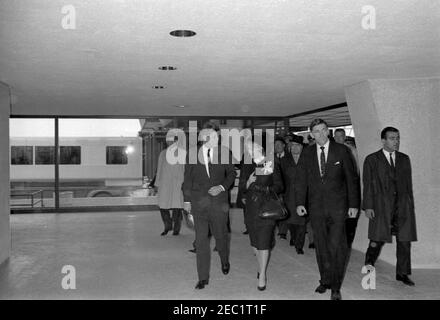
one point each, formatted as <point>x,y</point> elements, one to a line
<point>245,170</point>
<point>273,181</point>
<point>336,191</point>
<point>378,195</point>
<point>289,170</point>
<point>197,183</point>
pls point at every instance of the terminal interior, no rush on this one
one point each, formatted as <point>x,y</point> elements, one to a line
<point>90,89</point>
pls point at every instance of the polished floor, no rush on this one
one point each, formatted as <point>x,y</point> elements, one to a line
<point>120,255</point>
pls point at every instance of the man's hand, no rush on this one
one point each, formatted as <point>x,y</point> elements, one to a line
<point>369,213</point>
<point>352,212</point>
<point>187,206</point>
<point>251,180</point>
<point>301,211</point>
<point>215,190</point>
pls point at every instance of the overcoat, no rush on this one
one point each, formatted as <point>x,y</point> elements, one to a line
<point>289,170</point>
<point>377,195</point>
<point>169,179</point>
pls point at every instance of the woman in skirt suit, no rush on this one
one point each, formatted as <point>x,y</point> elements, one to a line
<point>257,180</point>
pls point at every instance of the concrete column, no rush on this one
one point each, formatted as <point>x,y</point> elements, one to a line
<point>5,233</point>
<point>413,107</point>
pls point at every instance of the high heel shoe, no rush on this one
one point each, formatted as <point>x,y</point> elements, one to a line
<point>263,287</point>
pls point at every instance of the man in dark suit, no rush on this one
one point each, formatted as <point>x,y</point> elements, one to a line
<point>389,203</point>
<point>205,191</point>
<point>327,176</point>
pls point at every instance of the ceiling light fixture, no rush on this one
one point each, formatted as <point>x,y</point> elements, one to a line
<point>167,68</point>
<point>182,33</point>
<point>158,87</point>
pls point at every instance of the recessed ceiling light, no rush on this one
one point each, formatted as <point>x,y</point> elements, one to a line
<point>181,106</point>
<point>158,87</point>
<point>182,33</point>
<point>167,68</point>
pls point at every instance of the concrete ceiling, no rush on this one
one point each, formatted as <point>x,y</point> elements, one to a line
<point>249,57</point>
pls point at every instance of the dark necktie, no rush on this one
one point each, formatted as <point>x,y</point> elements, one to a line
<point>391,161</point>
<point>209,155</point>
<point>322,161</point>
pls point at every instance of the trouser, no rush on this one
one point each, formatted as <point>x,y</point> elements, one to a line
<point>244,217</point>
<point>216,222</point>
<point>350,228</point>
<point>331,248</point>
<point>282,227</point>
<point>172,224</point>
<point>403,253</point>
<point>298,235</point>
<point>309,231</point>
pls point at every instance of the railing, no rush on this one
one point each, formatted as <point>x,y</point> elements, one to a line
<point>33,196</point>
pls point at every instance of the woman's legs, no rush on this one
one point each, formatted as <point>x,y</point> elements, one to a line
<point>263,259</point>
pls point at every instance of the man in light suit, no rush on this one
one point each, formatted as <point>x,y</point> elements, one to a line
<point>326,175</point>
<point>205,191</point>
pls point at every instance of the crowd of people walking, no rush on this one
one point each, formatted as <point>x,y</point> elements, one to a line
<point>320,186</point>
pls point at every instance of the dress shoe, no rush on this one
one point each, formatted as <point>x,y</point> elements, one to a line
<point>312,246</point>
<point>225,268</point>
<point>322,288</point>
<point>192,250</point>
<point>299,251</point>
<point>201,284</point>
<point>336,295</point>
<point>175,233</point>
<point>165,232</point>
<point>405,279</point>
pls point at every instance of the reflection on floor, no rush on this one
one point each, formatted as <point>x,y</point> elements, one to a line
<point>120,255</point>
<point>135,200</point>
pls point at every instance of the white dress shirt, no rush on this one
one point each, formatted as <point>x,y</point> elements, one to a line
<point>205,157</point>
<point>318,152</point>
<point>387,155</point>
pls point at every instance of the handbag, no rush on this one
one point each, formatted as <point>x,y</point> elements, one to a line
<point>273,208</point>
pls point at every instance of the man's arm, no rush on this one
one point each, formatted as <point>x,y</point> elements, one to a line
<point>278,183</point>
<point>230,175</point>
<point>352,179</point>
<point>187,182</point>
<point>301,184</point>
<point>410,185</point>
<point>367,180</point>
